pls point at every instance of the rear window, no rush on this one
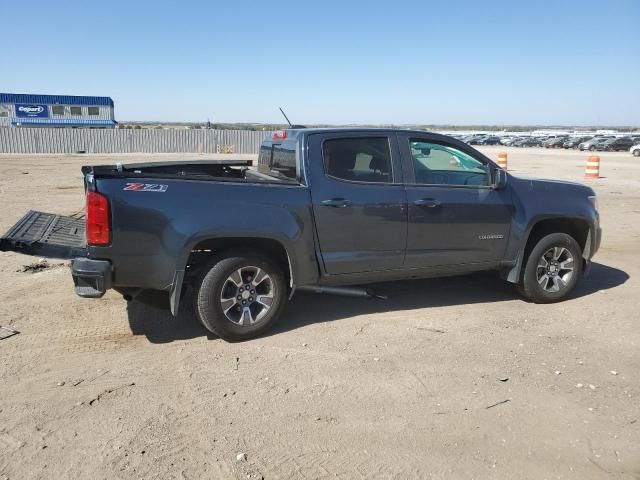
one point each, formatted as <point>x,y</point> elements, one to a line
<point>278,159</point>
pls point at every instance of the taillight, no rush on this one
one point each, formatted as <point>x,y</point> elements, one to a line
<point>98,229</point>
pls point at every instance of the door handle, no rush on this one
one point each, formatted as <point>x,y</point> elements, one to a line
<point>427,202</point>
<point>336,203</point>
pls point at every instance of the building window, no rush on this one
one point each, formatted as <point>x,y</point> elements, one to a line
<point>76,110</point>
<point>93,111</point>
<point>57,109</point>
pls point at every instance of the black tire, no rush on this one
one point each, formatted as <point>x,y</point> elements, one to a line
<point>592,148</point>
<point>636,152</point>
<point>208,290</point>
<point>531,288</point>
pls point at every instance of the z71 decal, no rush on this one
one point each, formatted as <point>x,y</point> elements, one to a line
<point>146,187</point>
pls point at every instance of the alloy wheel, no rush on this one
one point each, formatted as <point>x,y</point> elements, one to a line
<point>247,296</point>
<point>555,269</point>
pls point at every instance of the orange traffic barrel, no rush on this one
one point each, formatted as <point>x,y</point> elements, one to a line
<point>502,160</point>
<point>593,167</point>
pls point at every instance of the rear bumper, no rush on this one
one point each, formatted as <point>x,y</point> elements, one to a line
<point>91,278</point>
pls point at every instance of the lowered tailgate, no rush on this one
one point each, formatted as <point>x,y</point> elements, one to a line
<point>46,235</point>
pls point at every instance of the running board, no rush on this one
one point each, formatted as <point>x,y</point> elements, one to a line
<point>343,291</point>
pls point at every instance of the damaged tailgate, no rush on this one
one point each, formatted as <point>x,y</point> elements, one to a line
<point>46,235</point>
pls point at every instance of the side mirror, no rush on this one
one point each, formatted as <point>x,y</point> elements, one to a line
<point>499,179</point>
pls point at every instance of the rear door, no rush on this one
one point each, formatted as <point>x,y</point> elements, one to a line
<point>46,235</point>
<point>359,202</point>
<point>455,217</point>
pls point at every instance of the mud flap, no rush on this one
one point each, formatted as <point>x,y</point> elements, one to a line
<point>46,235</point>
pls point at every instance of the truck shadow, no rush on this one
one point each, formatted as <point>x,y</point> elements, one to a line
<point>159,326</point>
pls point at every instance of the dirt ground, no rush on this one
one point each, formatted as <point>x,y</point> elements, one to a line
<point>449,378</point>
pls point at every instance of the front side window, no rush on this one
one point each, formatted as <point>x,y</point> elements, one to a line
<point>76,110</point>
<point>93,111</point>
<point>57,109</point>
<point>436,164</point>
<point>363,159</point>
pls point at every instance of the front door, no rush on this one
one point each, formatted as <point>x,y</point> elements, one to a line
<point>359,202</point>
<point>455,216</point>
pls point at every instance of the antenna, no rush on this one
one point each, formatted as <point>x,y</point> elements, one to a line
<point>286,118</point>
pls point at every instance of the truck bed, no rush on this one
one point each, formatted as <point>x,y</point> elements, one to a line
<point>213,170</point>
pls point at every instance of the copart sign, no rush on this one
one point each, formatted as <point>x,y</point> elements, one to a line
<point>26,110</point>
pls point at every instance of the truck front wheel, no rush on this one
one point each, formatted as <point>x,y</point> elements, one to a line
<point>552,269</point>
<point>240,296</point>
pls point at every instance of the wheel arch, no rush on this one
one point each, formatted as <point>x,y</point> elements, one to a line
<point>203,250</point>
<point>577,227</point>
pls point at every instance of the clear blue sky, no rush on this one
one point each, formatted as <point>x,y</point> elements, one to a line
<point>435,62</point>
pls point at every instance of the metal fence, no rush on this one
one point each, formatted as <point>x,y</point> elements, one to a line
<point>50,140</point>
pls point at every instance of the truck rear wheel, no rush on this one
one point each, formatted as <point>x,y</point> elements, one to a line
<point>240,296</point>
<point>552,269</point>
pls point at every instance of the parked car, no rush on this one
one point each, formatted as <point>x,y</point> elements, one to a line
<point>468,138</point>
<point>507,140</point>
<point>323,209</point>
<point>528,142</point>
<point>504,140</point>
<point>511,141</point>
<point>615,144</point>
<point>635,150</point>
<point>555,142</point>
<point>489,140</point>
<point>476,139</point>
<point>573,142</point>
<point>592,144</point>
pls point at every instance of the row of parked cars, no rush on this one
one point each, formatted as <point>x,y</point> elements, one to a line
<point>603,143</point>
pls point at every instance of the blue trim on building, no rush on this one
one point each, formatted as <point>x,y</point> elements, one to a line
<point>63,122</point>
<point>55,99</point>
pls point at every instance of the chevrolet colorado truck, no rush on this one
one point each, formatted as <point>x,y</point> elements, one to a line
<point>323,210</point>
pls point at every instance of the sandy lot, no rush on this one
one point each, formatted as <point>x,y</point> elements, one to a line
<point>347,388</point>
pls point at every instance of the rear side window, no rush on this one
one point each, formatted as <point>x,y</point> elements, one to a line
<point>362,159</point>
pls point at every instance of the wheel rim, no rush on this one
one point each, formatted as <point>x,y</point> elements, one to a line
<point>555,269</point>
<point>247,296</point>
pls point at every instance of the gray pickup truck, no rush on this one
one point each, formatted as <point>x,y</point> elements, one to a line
<point>323,210</point>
